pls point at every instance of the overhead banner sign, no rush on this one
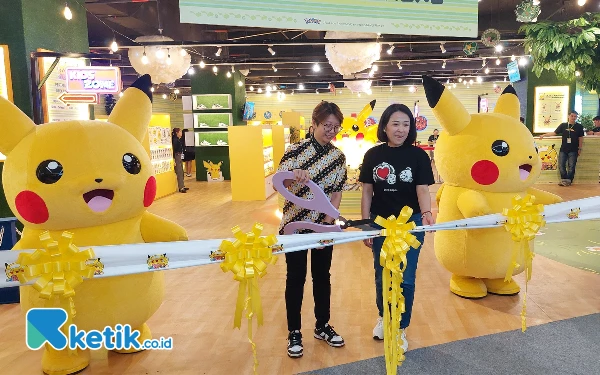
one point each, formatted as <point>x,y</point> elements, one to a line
<point>457,18</point>
<point>93,80</point>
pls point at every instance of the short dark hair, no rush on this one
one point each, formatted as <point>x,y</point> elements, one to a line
<point>175,131</point>
<point>596,118</point>
<point>324,110</point>
<point>385,118</point>
<point>435,130</point>
<point>573,111</point>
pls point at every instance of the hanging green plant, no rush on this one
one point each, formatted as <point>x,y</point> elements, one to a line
<point>566,48</point>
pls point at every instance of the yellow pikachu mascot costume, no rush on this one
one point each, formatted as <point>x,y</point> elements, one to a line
<point>95,180</point>
<point>485,160</point>
<point>355,129</point>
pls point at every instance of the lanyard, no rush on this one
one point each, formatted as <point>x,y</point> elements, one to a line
<point>319,203</point>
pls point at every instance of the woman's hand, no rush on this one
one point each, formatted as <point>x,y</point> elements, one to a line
<point>427,218</point>
<point>368,243</point>
<point>301,176</point>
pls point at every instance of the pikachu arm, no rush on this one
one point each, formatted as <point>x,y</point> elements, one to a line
<point>544,197</point>
<point>438,195</point>
<point>472,203</point>
<point>157,229</point>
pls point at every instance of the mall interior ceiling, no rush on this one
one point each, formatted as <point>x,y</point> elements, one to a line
<point>246,48</point>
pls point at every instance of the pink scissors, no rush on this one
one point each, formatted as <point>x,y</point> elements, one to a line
<point>320,203</point>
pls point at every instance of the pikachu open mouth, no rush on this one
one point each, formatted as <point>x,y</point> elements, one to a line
<point>524,171</point>
<point>99,200</point>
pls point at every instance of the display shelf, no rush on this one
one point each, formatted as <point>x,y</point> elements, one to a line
<point>214,138</point>
<point>208,102</point>
<point>212,120</point>
<point>161,149</point>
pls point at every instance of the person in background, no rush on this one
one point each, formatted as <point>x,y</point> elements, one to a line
<point>431,142</point>
<point>316,159</point>
<point>570,149</point>
<point>189,153</point>
<point>393,175</point>
<point>309,133</point>
<point>177,155</point>
<point>596,129</point>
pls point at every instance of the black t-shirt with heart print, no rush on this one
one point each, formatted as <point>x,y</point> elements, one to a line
<point>395,173</point>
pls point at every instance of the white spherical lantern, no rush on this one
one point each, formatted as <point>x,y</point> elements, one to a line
<point>351,58</point>
<point>358,86</point>
<point>165,64</point>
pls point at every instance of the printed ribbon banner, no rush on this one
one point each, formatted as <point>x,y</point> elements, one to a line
<point>523,221</point>
<point>57,270</point>
<point>247,257</point>
<point>392,258</point>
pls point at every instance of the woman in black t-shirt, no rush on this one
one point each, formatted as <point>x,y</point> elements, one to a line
<point>395,174</point>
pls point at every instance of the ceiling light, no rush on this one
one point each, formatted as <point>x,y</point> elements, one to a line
<point>444,65</point>
<point>121,94</point>
<point>164,96</point>
<point>160,53</point>
<point>460,79</point>
<point>268,88</point>
<point>454,85</point>
<point>487,71</point>
<point>274,68</point>
<point>317,91</point>
<point>464,82</point>
<point>512,58</point>
<point>228,74</point>
<point>182,52</point>
<point>268,93</point>
<point>232,69</point>
<point>259,90</point>
<point>483,62</point>
<point>240,83</point>
<point>316,67</point>
<point>442,47</point>
<point>292,92</point>
<point>274,88</point>
<point>270,49</point>
<point>499,47</point>
<point>215,69</point>
<point>391,49</point>
<point>498,61</point>
<point>202,64</point>
<point>301,86</point>
<point>251,88</point>
<point>399,65</point>
<point>470,81</point>
<point>479,79</point>
<point>523,61</point>
<point>191,71</point>
<point>369,92</point>
<point>152,89</point>
<point>577,73</point>
<point>412,89</point>
<point>218,53</point>
<point>145,60</point>
<point>581,2</point>
<point>176,91</point>
<point>114,46</point>
<point>358,95</point>
<point>67,12</point>
<point>504,79</point>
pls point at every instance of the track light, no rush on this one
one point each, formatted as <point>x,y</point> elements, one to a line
<point>176,91</point>
<point>271,51</point>
<point>499,47</point>
<point>498,61</point>
<point>444,65</point>
<point>218,53</point>
<point>512,58</point>
<point>202,64</point>
<point>479,79</point>
<point>228,74</point>
<point>317,91</point>
<point>251,88</point>
<point>460,79</point>
<point>232,69</point>
<point>301,86</point>
<point>391,49</point>
<point>316,67</point>
<point>274,68</point>
<point>259,90</point>
<point>442,47</point>
<point>114,46</point>
<point>67,12</point>
<point>483,62</point>
<point>399,65</point>
<point>164,96</point>
<point>215,69</point>
<point>487,71</point>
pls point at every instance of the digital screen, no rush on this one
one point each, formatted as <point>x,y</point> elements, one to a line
<point>513,71</point>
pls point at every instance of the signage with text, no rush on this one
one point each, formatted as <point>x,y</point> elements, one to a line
<point>89,80</point>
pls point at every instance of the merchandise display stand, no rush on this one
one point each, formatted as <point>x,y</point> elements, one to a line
<point>161,154</point>
<point>252,161</point>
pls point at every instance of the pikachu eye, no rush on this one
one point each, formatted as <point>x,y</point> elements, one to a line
<point>49,171</point>
<point>500,148</point>
<point>355,127</point>
<point>131,163</point>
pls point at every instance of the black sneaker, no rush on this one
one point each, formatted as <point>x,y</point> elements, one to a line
<point>329,335</point>
<point>295,349</point>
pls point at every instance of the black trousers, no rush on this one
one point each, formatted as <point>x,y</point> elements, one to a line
<point>294,285</point>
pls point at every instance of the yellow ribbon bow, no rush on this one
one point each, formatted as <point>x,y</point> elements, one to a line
<point>58,268</point>
<point>247,257</point>
<point>523,221</point>
<point>393,260</point>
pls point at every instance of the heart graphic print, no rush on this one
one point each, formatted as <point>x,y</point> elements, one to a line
<point>382,171</point>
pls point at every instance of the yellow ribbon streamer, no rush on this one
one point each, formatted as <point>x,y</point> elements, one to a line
<point>393,260</point>
<point>523,221</point>
<point>247,257</point>
<point>58,269</point>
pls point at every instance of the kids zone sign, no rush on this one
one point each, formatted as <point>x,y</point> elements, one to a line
<point>93,80</point>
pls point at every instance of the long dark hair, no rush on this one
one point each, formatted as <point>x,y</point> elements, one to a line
<point>385,118</point>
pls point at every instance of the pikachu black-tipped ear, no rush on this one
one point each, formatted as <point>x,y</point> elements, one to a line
<point>134,109</point>
<point>508,103</point>
<point>14,126</point>
<point>366,112</point>
<point>449,111</point>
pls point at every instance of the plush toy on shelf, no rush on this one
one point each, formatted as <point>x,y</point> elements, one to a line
<point>95,180</point>
<point>485,160</point>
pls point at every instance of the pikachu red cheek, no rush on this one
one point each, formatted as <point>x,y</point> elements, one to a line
<point>150,191</point>
<point>31,207</point>
<point>485,172</point>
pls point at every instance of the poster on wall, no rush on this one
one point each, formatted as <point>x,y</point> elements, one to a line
<point>409,17</point>
<point>55,101</point>
<point>551,108</point>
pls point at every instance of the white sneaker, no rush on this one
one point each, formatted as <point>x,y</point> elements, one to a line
<point>217,106</point>
<point>222,125</point>
<point>205,143</point>
<point>203,125</point>
<point>378,330</point>
<point>221,143</point>
<point>201,106</point>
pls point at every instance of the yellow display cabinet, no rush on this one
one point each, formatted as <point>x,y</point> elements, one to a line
<point>281,141</point>
<point>587,170</point>
<point>251,162</point>
<point>161,154</point>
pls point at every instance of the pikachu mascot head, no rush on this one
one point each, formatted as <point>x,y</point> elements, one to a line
<point>485,160</point>
<point>354,139</point>
<point>95,180</point>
